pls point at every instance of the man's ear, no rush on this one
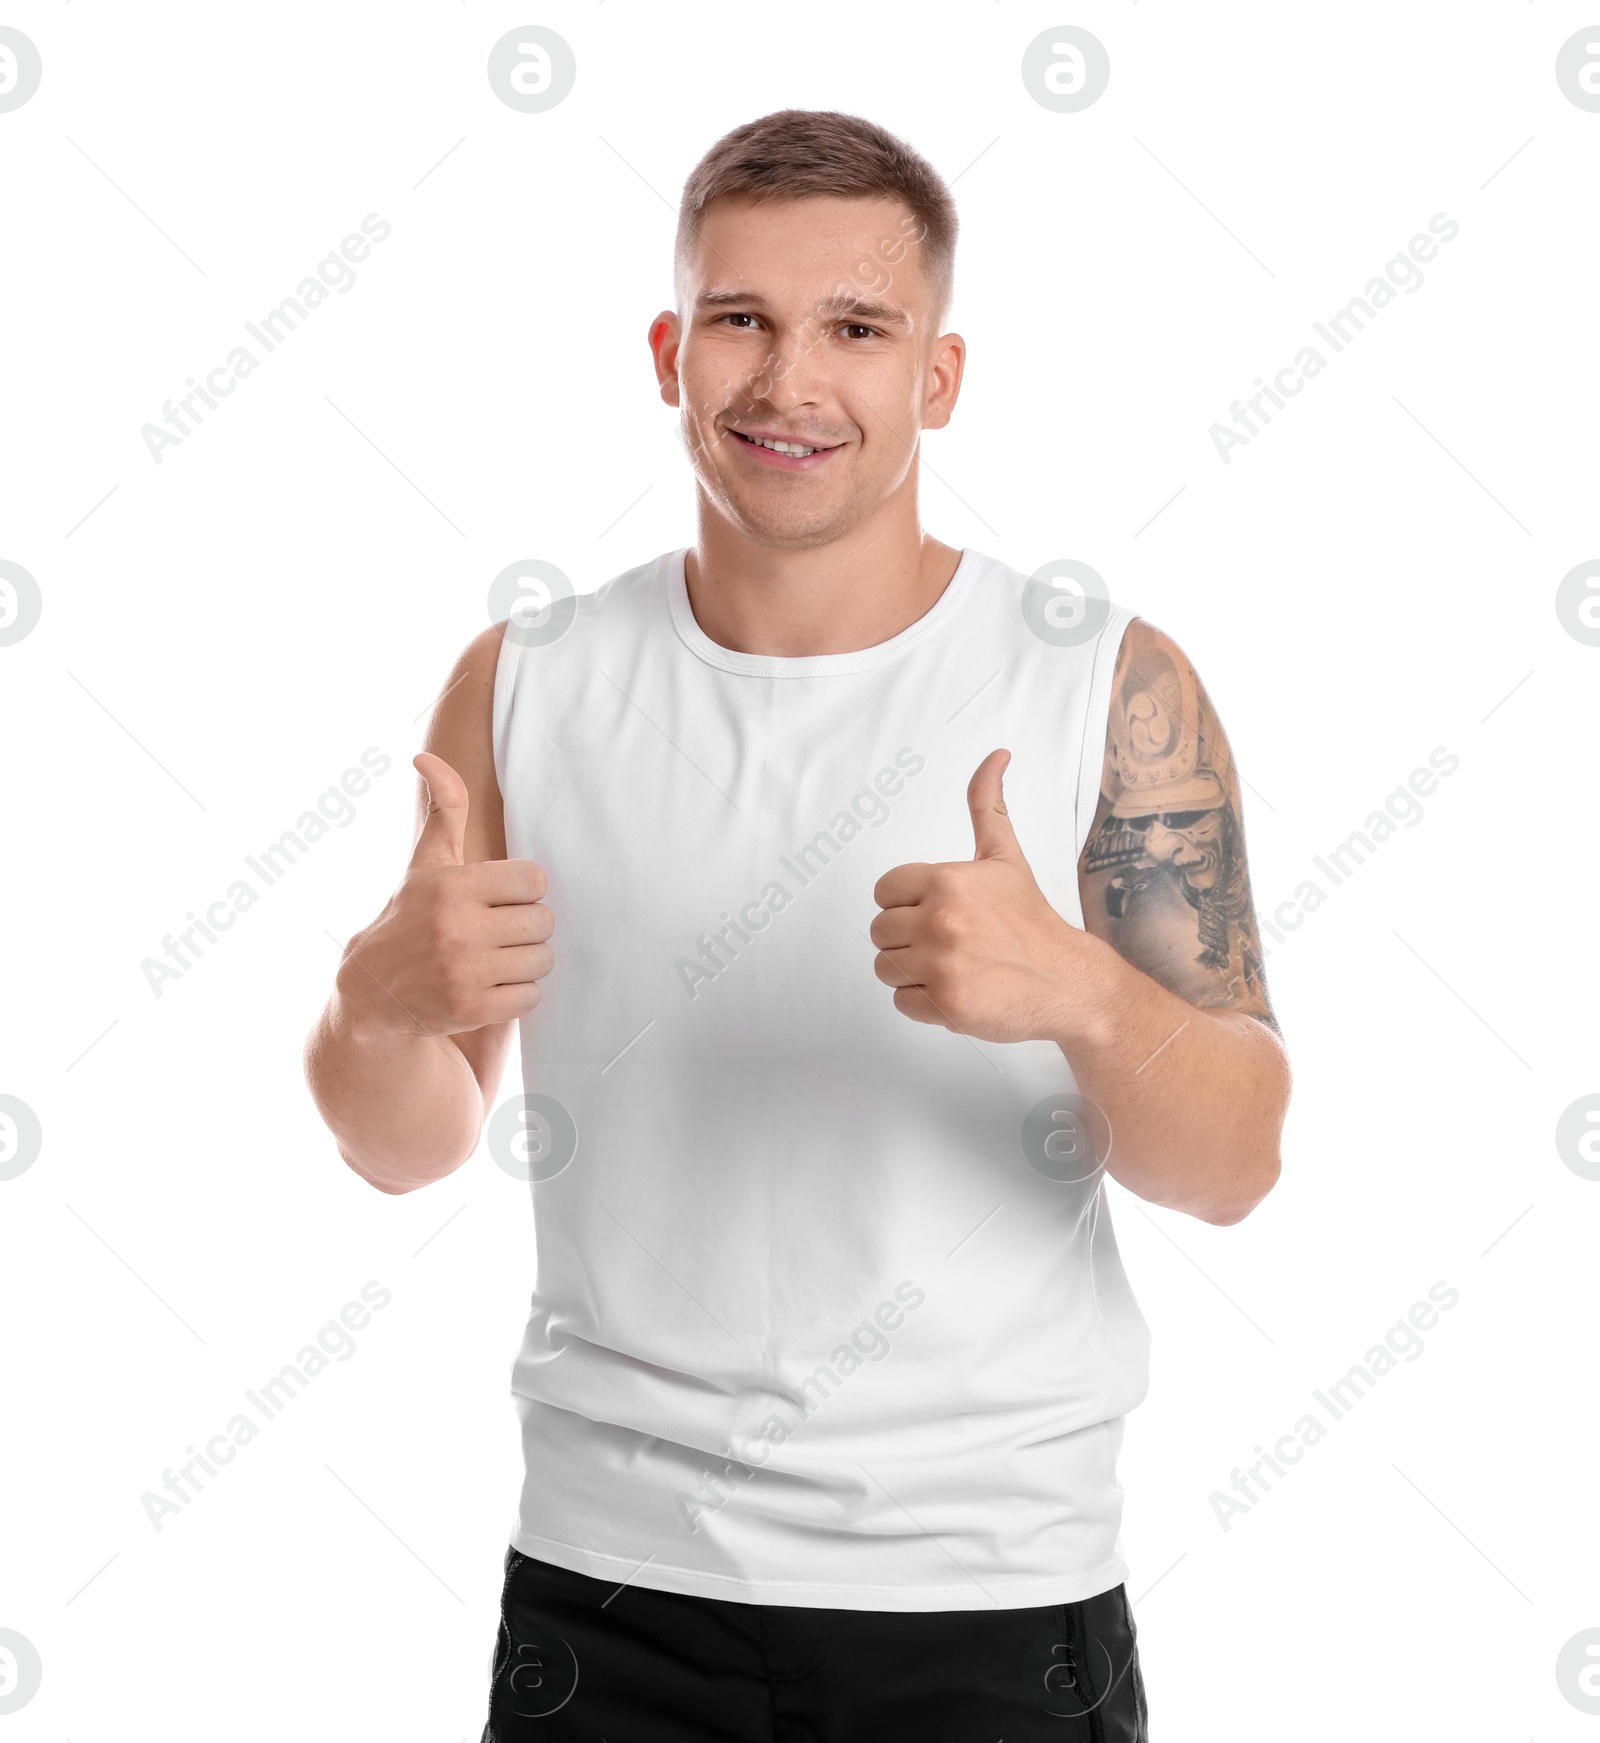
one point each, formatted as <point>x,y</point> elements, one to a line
<point>944,380</point>
<point>665,337</point>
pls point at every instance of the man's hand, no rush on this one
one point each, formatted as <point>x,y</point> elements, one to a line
<point>458,946</point>
<point>973,945</point>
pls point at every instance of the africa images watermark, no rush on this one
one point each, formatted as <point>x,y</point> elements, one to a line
<point>333,1343</point>
<point>183,952</point>
<point>848,1357</point>
<point>1402,808</point>
<point>804,864</point>
<point>1402,273</point>
<point>1342,1396</point>
<point>334,274</point>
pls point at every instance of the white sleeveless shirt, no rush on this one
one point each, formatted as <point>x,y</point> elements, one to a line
<point>825,1313</point>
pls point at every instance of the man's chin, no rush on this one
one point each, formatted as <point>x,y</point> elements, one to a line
<point>791,532</point>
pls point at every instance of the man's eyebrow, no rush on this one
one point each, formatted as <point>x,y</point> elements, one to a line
<point>837,307</point>
<point>726,299</point>
<point>865,309</point>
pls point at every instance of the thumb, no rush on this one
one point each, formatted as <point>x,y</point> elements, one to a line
<point>991,826</point>
<point>443,840</point>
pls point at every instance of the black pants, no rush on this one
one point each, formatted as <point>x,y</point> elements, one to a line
<point>581,1658</point>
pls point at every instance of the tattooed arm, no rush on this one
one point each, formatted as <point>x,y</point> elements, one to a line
<point>1188,1063</point>
<point>1163,876</point>
<point>1157,1000</point>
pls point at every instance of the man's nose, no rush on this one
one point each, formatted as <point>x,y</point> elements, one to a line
<point>789,374</point>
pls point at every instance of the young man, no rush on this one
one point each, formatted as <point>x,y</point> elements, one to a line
<point>830,1348</point>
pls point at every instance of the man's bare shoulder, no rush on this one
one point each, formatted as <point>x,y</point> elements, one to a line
<point>461,730</point>
<point>483,651</point>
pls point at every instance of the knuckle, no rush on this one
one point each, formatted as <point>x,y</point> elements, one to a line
<point>946,924</point>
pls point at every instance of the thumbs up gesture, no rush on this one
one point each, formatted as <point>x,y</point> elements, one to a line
<point>973,945</point>
<point>458,946</point>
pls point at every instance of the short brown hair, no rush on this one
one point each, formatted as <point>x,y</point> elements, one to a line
<point>794,154</point>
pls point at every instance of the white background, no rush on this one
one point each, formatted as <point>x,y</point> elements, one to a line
<point>222,636</point>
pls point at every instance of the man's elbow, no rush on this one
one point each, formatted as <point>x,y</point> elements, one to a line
<point>393,1187</point>
<point>1266,1139</point>
<point>395,1190</point>
<point>1236,1210</point>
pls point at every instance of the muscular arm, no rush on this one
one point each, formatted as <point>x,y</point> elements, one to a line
<point>1157,1001</point>
<point>406,1106</point>
<point>1182,1051</point>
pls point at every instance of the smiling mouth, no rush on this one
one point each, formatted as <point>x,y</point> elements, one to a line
<point>798,450</point>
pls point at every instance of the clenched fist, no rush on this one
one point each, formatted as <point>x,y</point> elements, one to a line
<point>458,946</point>
<point>973,945</point>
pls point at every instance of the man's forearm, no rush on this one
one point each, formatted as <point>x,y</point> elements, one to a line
<point>405,1108</point>
<point>1195,1099</point>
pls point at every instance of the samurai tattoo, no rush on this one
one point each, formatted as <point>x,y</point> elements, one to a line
<point>1163,875</point>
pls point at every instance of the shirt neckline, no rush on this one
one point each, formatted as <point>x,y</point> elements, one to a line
<point>811,665</point>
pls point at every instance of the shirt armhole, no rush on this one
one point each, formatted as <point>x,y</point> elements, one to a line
<point>1097,715</point>
<point>506,670</point>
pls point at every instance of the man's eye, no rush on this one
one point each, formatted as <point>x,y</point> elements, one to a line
<point>738,317</point>
<point>851,328</point>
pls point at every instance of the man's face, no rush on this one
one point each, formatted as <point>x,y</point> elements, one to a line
<point>810,323</point>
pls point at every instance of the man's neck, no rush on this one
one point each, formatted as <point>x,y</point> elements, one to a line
<point>837,598</point>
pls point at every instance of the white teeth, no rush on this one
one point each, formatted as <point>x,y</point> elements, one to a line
<point>780,447</point>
